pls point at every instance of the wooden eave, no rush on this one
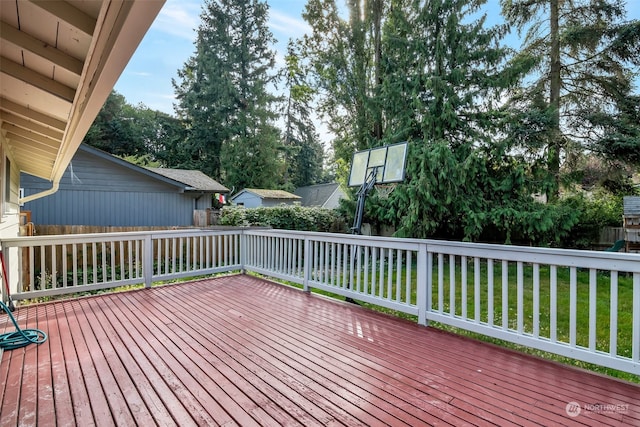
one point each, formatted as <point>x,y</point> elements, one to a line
<point>59,62</point>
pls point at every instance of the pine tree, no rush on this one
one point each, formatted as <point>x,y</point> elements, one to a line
<point>445,73</point>
<point>345,56</point>
<point>223,95</point>
<point>581,92</point>
<point>303,151</point>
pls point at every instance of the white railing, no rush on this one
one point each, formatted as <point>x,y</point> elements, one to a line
<point>54,265</point>
<point>363,268</point>
<point>580,304</point>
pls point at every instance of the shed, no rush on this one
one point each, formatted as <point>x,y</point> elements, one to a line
<point>99,189</point>
<point>631,222</point>
<point>321,195</point>
<point>255,198</point>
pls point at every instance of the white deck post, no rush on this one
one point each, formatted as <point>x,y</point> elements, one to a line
<point>306,264</point>
<point>147,256</point>
<point>424,285</point>
<point>635,334</point>
<point>243,252</point>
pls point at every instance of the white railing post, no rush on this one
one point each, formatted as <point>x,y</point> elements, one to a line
<point>6,282</point>
<point>424,285</point>
<point>147,256</point>
<point>243,252</point>
<point>635,334</point>
<point>306,262</point>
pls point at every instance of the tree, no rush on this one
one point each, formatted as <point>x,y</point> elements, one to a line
<point>445,73</point>
<point>223,97</point>
<point>581,87</point>
<point>345,60</point>
<point>114,129</point>
<point>139,134</point>
<point>166,135</point>
<point>304,152</point>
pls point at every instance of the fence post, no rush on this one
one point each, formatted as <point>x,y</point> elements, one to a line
<point>306,264</point>
<point>423,281</point>
<point>147,256</point>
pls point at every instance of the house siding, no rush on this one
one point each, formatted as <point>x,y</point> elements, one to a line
<point>334,200</point>
<point>251,200</point>
<point>248,200</point>
<point>103,193</point>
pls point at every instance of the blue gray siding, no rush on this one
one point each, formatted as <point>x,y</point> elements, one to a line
<point>104,193</point>
<point>248,200</point>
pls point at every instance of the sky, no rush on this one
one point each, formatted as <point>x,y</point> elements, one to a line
<point>170,42</point>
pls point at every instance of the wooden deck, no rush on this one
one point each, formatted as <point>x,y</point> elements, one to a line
<point>238,350</point>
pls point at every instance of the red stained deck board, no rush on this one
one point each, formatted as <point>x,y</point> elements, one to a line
<point>239,350</point>
<point>283,348</point>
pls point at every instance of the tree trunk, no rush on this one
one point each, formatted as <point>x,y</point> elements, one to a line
<point>555,143</point>
<point>377,42</point>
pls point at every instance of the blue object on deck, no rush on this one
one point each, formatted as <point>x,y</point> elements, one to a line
<point>619,244</point>
<point>19,337</point>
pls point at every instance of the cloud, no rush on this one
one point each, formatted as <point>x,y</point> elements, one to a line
<point>286,25</point>
<point>179,18</point>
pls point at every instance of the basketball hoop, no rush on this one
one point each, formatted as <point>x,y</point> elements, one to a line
<point>380,167</point>
<point>384,190</point>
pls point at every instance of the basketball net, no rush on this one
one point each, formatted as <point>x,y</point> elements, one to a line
<point>384,190</point>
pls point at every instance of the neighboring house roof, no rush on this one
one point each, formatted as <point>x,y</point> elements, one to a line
<point>204,183</point>
<point>195,179</point>
<point>319,194</point>
<point>269,194</point>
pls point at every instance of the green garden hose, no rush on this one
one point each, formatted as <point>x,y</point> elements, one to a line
<point>20,337</point>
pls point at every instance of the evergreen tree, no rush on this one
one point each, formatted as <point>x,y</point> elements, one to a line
<point>169,147</point>
<point>345,59</point>
<point>445,74</point>
<point>223,95</point>
<point>581,92</point>
<point>303,151</point>
<point>433,74</point>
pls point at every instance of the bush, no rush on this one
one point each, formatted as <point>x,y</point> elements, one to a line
<point>285,217</point>
<point>595,212</point>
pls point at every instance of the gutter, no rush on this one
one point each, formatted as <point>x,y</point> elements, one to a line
<point>53,189</point>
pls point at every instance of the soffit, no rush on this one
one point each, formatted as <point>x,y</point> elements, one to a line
<point>59,62</point>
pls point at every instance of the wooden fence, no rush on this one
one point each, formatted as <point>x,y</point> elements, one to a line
<point>609,235</point>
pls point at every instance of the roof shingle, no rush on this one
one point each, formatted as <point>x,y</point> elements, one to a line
<point>193,178</point>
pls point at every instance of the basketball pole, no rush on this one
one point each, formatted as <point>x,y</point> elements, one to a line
<point>365,188</point>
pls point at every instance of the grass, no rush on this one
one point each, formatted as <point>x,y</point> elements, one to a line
<point>125,288</point>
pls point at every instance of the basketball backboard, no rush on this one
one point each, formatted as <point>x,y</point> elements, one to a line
<point>389,162</point>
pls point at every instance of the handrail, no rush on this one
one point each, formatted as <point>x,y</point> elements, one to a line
<point>579,304</point>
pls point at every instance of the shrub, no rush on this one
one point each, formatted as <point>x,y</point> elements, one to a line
<point>285,217</point>
<point>595,212</point>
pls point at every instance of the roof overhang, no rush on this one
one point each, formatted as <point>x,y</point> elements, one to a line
<point>60,61</point>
